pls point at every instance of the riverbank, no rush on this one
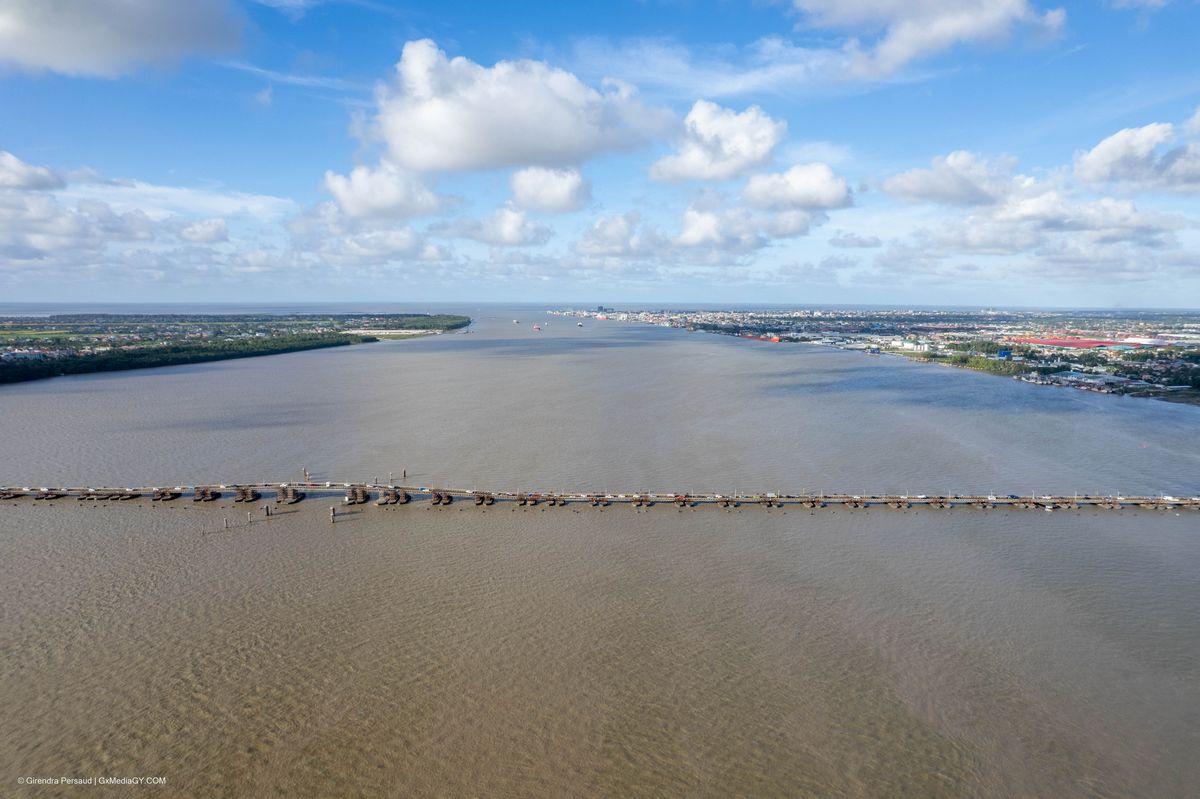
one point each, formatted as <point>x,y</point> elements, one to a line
<point>1016,370</point>
<point>1152,358</point>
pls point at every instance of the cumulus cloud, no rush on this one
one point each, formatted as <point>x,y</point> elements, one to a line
<point>386,190</point>
<point>454,114</point>
<point>720,143</point>
<point>1139,156</point>
<point>709,235</point>
<point>721,230</point>
<point>787,224</point>
<point>35,226</point>
<point>803,186</point>
<point>66,226</point>
<point>909,30</point>
<point>1107,218</point>
<point>378,246</point>
<point>1192,126</point>
<point>739,230</point>
<point>843,239</point>
<point>1042,227</point>
<point>1125,154</point>
<point>1019,227</point>
<point>205,231</point>
<point>550,190</point>
<point>507,227</point>
<point>16,174</point>
<point>960,178</point>
<point>621,235</point>
<point>110,37</point>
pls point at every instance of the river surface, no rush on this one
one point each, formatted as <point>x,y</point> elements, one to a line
<point>575,651</point>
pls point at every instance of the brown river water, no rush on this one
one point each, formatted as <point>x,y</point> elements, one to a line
<point>504,651</point>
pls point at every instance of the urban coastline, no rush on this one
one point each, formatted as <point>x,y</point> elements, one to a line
<point>1154,354</point>
<point>32,348</point>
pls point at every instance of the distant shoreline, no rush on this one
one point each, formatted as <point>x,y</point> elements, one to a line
<point>988,367</point>
<point>32,358</point>
<point>151,359</point>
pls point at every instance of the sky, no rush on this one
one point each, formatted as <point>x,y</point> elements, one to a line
<point>958,152</point>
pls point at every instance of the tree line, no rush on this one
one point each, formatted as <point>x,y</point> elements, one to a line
<point>172,354</point>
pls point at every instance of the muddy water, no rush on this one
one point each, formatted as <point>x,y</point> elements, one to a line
<point>576,651</point>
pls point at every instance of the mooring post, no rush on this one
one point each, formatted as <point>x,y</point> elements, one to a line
<point>332,513</point>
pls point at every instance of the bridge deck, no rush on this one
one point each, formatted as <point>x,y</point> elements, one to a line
<point>810,500</point>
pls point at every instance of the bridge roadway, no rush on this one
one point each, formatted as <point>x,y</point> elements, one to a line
<point>390,494</point>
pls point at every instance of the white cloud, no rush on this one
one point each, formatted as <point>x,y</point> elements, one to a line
<point>35,226</point>
<point>787,224</point>
<point>111,37</point>
<point>507,227</point>
<point>1127,154</point>
<point>160,202</point>
<point>16,174</point>
<point>1138,156</point>
<point>910,30</point>
<point>739,230</point>
<point>708,236</point>
<point>1018,228</point>
<point>768,65</point>
<point>550,190</point>
<point>205,231</point>
<point>960,178</point>
<point>1192,126</point>
<point>384,191</point>
<point>81,225</point>
<point>1106,218</point>
<point>380,246</point>
<point>773,64</point>
<point>843,239</point>
<point>721,230</point>
<point>621,235</point>
<point>720,143</point>
<point>454,114</point>
<point>1044,229</point>
<point>803,186</point>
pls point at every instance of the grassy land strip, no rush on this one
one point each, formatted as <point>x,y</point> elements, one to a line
<point>171,355</point>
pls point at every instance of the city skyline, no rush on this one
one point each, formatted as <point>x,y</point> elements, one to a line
<point>978,152</point>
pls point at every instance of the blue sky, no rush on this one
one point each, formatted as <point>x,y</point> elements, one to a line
<point>978,152</point>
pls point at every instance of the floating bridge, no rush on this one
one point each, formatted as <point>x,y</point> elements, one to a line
<point>388,494</point>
